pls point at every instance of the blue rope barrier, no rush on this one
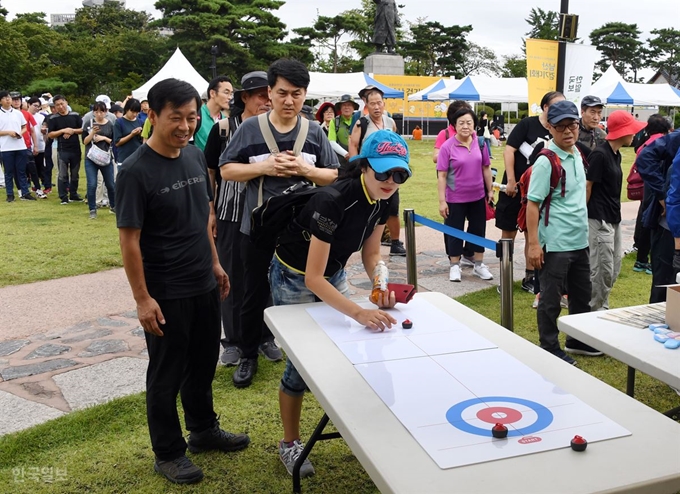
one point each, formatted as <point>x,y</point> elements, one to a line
<point>454,232</point>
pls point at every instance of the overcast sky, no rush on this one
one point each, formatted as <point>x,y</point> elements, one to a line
<point>497,24</point>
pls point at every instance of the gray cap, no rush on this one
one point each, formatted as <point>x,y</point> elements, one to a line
<point>591,101</point>
<point>249,82</point>
<point>562,110</point>
<point>368,88</point>
<point>346,98</point>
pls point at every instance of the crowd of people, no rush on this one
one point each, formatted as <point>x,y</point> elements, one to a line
<point>183,172</point>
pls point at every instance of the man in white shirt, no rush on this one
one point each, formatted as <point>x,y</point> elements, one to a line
<point>13,148</point>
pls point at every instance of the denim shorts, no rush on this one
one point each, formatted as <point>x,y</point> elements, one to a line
<point>288,288</point>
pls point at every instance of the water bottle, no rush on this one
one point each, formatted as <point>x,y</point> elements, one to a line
<point>381,277</point>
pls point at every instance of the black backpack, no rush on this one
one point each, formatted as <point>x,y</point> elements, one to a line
<point>271,219</point>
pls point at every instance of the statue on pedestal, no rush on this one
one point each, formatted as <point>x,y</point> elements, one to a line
<point>384,33</point>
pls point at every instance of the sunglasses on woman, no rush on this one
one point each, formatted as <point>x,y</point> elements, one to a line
<point>398,176</point>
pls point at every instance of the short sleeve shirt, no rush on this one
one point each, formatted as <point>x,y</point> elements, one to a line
<point>58,122</point>
<point>168,200</point>
<point>567,228</point>
<point>465,179</point>
<point>443,136</point>
<point>529,130</point>
<point>11,120</point>
<point>607,177</point>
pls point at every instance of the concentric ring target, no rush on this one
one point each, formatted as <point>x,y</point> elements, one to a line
<point>500,414</point>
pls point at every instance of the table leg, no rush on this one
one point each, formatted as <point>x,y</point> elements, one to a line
<point>317,435</point>
<point>630,385</point>
<point>674,413</point>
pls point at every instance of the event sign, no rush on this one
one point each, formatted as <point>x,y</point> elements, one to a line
<point>578,71</point>
<point>541,71</point>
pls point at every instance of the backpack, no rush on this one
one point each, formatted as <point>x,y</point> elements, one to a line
<point>271,219</point>
<point>363,122</point>
<point>635,188</point>
<point>558,176</point>
<point>223,133</point>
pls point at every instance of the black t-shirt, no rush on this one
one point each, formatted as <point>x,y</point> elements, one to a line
<point>531,131</point>
<point>606,174</point>
<point>58,122</point>
<point>168,199</point>
<point>229,197</point>
<point>345,223</point>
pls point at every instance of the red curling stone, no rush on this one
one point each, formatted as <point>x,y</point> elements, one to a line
<point>579,444</point>
<point>499,431</point>
<point>407,324</point>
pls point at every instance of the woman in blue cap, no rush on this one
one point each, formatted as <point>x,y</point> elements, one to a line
<point>310,258</point>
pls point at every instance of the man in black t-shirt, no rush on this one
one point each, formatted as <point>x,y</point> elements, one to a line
<point>603,192</point>
<point>63,126</point>
<point>163,201</point>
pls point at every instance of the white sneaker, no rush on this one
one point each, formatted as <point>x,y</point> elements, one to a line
<point>482,271</point>
<point>454,273</point>
<point>467,262</point>
<point>40,194</point>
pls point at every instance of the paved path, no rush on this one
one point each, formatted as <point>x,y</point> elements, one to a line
<point>87,347</point>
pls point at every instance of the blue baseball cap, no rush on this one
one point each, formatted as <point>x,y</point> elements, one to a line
<point>385,150</point>
<point>562,110</point>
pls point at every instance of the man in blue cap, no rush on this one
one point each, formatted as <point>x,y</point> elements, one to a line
<point>559,247</point>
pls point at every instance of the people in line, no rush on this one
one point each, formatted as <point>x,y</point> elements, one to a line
<point>249,160</point>
<point>325,114</point>
<point>13,148</point>
<point>465,187</point>
<point>30,137</point>
<point>65,126</point>
<point>35,109</point>
<point>589,132</point>
<point>484,130</point>
<point>99,132</point>
<point>220,92</point>
<point>127,130</point>
<point>310,258</point>
<point>341,127</point>
<point>176,279</point>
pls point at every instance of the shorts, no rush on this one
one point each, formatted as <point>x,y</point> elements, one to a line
<point>507,209</point>
<point>394,205</point>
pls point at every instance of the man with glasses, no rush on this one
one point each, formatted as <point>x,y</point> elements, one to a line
<point>220,92</point>
<point>560,247</point>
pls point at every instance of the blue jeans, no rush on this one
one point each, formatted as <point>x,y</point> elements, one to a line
<point>91,171</point>
<point>488,145</point>
<point>15,171</point>
<point>288,288</point>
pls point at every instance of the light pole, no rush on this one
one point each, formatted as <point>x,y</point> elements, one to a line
<point>214,52</point>
<point>561,50</point>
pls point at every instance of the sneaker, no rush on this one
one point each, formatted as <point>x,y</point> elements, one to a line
<point>215,438</point>
<point>564,301</point>
<point>64,202</point>
<point>180,470</point>
<point>93,214</point>
<point>230,356</point>
<point>10,198</point>
<point>397,248</point>
<point>27,197</point>
<point>454,273</point>
<point>244,373</point>
<point>40,194</point>
<point>289,453</point>
<point>534,305</point>
<point>578,348</point>
<point>630,251</point>
<point>270,351</point>
<point>482,271</point>
<point>76,198</point>
<point>112,210</point>
<point>467,262</point>
<point>528,284</point>
<point>48,190</point>
<point>639,267</point>
<point>563,356</point>
<point>648,269</point>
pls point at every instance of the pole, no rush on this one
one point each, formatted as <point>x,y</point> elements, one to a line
<point>562,50</point>
<point>411,267</point>
<point>507,316</point>
<point>213,66</point>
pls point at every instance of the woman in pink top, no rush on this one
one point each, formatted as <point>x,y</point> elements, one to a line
<point>449,131</point>
<point>465,186</point>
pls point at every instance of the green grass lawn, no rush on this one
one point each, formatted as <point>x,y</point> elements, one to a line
<point>106,448</point>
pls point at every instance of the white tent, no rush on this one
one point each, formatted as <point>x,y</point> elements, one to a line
<point>177,67</point>
<point>323,85</point>
<point>613,89</point>
<point>487,89</point>
<point>424,94</point>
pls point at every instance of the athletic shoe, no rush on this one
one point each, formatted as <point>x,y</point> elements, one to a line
<point>93,214</point>
<point>40,194</point>
<point>578,348</point>
<point>270,351</point>
<point>230,356</point>
<point>563,356</point>
<point>180,470</point>
<point>48,190</point>
<point>112,210</point>
<point>528,284</point>
<point>215,438</point>
<point>639,267</point>
<point>454,273</point>
<point>27,197</point>
<point>482,271</point>
<point>10,198</point>
<point>76,198</point>
<point>648,270</point>
<point>245,372</point>
<point>564,301</point>
<point>467,262</point>
<point>290,452</point>
<point>397,248</point>
<point>534,305</point>
<point>64,202</point>
<point>630,251</point>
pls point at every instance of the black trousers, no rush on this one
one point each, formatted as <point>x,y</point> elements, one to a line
<point>182,362</point>
<point>570,270</point>
<point>229,251</point>
<point>642,237</point>
<point>475,214</point>
<point>661,254</point>
<point>256,296</point>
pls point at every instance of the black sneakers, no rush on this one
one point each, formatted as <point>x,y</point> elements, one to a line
<point>528,284</point>
<point>578,348</point>
<point>180,470</point>
<point>397,248</point>
<point>215,438</point>
<point>244,373</point>
<point>270,351</point>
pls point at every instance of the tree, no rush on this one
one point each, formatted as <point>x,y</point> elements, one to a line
<point>479,60</point>
<point>619,45</point>
<point>106,19</point>
<point>514,66</point>
<point>435,49</point>
<point>3,11</point>
<point>327,32</point>
<point>544,25</point>
<point>247,33</point>
<point>664,52</point>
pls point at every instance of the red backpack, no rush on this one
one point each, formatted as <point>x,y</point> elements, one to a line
<point>558,176</point>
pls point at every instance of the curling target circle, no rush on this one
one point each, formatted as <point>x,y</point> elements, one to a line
<point>499,414</point>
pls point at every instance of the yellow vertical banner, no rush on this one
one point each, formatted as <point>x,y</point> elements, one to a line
<point>541,71</point>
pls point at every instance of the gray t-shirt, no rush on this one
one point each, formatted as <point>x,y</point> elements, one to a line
<point>247,145</point>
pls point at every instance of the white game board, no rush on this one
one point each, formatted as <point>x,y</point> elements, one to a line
<point>448,386</point>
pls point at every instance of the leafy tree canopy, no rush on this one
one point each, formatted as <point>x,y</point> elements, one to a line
<point>619,45</point>
<point>664,52</point>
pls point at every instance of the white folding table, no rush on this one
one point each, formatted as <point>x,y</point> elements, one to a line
<point>648,461</point>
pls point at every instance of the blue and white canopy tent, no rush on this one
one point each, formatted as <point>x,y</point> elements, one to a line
<point>441,84</point>
<point>612,89</point>
<point>486,89</point>
<point>325,86</point>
